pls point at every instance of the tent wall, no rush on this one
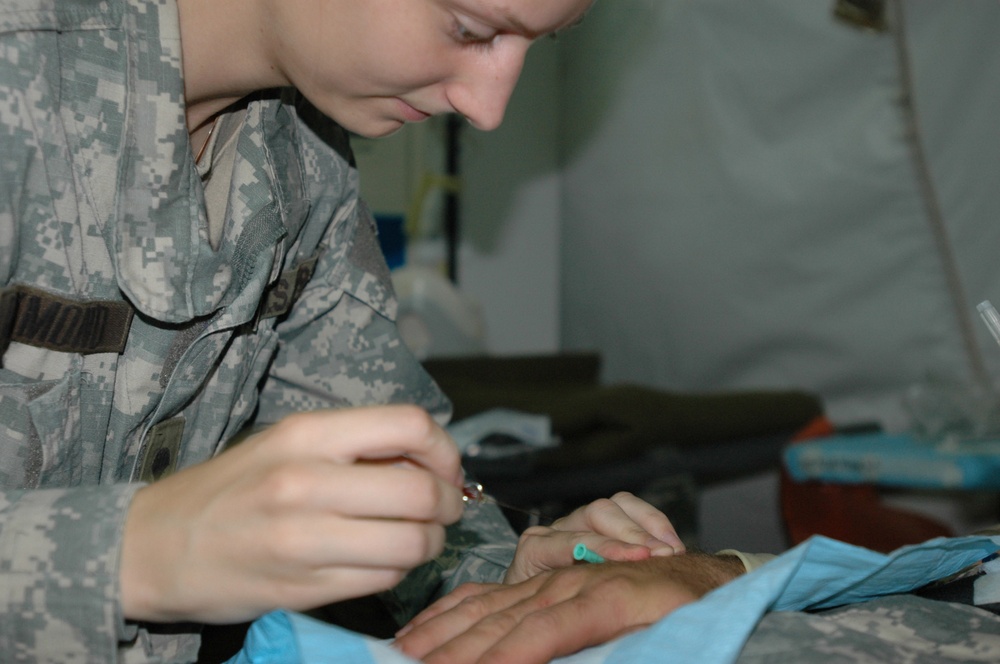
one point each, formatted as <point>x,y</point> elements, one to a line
<point>742,206</point>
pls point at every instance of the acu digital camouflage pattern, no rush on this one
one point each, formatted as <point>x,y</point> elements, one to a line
<point>897,628</point>
<point>100,200</point>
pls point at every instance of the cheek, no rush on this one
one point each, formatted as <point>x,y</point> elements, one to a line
<point>403,67</point>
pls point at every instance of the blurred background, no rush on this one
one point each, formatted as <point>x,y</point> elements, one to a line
<point>721,196</point>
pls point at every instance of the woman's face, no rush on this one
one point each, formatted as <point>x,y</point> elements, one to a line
<point>373,65</point>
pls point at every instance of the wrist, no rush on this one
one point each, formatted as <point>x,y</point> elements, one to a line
<point>697,572</point>
<point>138,592</point>
<point>750,561</point>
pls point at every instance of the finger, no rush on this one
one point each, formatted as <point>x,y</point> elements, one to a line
<point>541,549</point>
<point>556,548</point>
<point>362,491</point>
<point>556,620</point>
<point>610,548</point>
<point>446,603</point>
<point>470,611</point>
<point>559,630</point>
<point>315,543</point>
<point>607,517</point>
<point>322,587</point>
<point>382,432</point>
<point>651,519</point>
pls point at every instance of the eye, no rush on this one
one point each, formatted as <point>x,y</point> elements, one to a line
<point>473,34</point>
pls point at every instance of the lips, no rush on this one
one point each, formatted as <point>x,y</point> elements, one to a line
<point>411,114</point>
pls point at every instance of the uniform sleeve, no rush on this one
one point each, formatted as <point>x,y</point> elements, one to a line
<point>751,561</point>
<point>339,347</point>
<point>59,552</point>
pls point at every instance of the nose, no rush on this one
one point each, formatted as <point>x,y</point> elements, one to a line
<point>483,90</point>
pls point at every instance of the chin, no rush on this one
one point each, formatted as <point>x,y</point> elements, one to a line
<point>382,132</point>
<point>371,127</point>
<point>367,120</point>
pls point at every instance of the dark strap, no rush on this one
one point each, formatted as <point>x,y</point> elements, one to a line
<point>44,320</point>
<point>278,299</point>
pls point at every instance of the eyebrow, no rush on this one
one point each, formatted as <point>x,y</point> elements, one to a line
<point>553,34</point>
<point>515,23</point>
<point>519,27</point>
<point>523,29</point>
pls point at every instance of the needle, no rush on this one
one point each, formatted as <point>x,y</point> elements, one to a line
<point>473,494</point>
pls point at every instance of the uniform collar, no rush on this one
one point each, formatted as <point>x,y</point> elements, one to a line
<point>164,262</point>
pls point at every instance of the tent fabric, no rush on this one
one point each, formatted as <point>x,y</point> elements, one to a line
<point>742,208</point>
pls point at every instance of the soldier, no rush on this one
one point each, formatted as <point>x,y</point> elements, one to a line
<point>185,256</point>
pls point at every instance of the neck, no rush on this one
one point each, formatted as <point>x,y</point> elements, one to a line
<point>225,59</point>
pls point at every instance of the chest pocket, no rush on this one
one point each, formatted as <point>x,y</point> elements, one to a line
<point>42,421</point>
<point>40,430</point>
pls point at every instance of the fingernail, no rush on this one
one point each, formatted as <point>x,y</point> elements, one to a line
<point>658,548</point>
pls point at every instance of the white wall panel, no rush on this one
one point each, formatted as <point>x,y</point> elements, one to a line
<point>740,205</point>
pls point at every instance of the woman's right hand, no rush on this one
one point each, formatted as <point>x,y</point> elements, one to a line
<point>319,507</point>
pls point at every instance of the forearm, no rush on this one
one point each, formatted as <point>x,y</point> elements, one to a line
<point>697,572</point>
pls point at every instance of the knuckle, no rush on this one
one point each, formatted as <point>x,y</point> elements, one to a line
<point>292,430</point>
<point>601,506</point>
<point>541,622</point>
<point>623,496</point>
<point>286,486</point>
<point>613,586</point>
<point>420,542</point>
<point>573,577</point>
<point>475,606</point>
<point>292,422</point>
<point>499,624</point>
<point>532,533</point>
<point>469,588</point>
<point>415,420</point>
<point>386,579</point>
<point>424,494</point>
<point>565,583</point>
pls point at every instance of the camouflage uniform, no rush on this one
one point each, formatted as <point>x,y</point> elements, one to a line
<point>895,628</point>
<point>103,229</point>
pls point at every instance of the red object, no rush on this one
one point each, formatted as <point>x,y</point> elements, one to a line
<point>851,513</point>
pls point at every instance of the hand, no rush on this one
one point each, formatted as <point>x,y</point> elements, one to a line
<point>319,507</point>
<point>557,613</point>
<point>620,528</point>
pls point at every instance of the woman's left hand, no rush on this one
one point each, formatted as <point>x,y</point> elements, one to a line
<point>619,528</point>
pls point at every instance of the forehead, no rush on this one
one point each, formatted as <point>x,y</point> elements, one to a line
<point>531,18</point>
